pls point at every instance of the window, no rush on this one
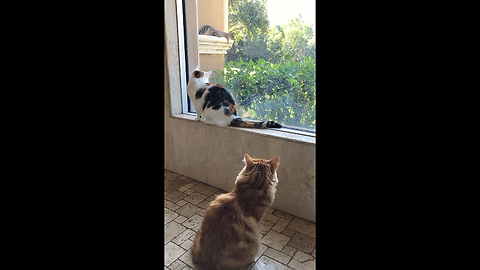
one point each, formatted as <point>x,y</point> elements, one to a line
<point>270,65</point>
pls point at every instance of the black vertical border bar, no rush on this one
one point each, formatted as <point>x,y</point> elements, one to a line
<point>186,48</point>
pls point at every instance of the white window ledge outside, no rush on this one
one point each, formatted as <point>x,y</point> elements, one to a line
<point>213,45</point>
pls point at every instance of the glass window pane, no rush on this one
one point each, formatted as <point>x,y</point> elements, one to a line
<point>270,65</point>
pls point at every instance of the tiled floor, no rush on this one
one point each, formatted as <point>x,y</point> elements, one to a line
<point>288,242</point>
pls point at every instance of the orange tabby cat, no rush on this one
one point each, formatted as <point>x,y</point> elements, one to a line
<point>229,237</point>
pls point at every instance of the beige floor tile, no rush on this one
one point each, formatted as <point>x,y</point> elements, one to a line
<point>170,205</point>
<point>193,223</point>
<point>195,198</point>
<point>265,263</point>
<point>175,196</point>
<point>290,251</point>
<point>302,261</point>
<point>181,203</point>
<point>207,201</point>
<point>169,187</point>
<point>179,239</point>
<point>187,258</point>
<point>171,175</point>
<point>180,219</point>
<point>283,215</point>
<point>204,189</point>
<point>188,268</point>
<point>169,215</point>
<point>288,232</point>
<point>302,242</point>
<point>269,210</point>
<point>191,180</point>
<point>314,253</point>
<point>280,225</point>
<point>202,212</point>
<point>187,244</point>
<point>267,222</point>
<point>212,197</point>
<point>172,252</point>
<point>270,218</point>
<point>275,240</point>
<point>173,229</point>
<point>260,251</point>
<point>189,191</point>
<point>185,187</point>
<point>188,210</point>
<point>303,226</point>
<point>277,255</point>
<point>177,265</point>
<point>204,204</point>
<point>265,226</point>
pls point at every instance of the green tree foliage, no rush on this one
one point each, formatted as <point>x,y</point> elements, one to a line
<point>283,92</point>
<point>247,19</point>
<point>277,81</point>
<point>295,38</point>
<point>249,49</point>
<point>254,39</point>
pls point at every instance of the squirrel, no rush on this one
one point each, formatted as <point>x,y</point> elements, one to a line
<point>210,31</point>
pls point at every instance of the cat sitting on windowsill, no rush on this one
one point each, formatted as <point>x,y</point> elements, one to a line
<point>215,105</point>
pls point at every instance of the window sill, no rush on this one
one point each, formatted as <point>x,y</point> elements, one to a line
<point>278,133</point>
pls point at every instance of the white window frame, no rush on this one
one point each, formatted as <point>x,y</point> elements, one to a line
<point>181,53</point>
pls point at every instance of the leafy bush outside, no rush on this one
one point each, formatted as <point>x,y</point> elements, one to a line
<point>282,92</point>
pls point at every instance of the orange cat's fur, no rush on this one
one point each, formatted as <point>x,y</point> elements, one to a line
<point>229,237</point>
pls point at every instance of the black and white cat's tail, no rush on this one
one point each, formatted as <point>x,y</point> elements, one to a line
<point>239,122</point>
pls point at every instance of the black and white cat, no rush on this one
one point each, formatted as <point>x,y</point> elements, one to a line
<point>215,105</point>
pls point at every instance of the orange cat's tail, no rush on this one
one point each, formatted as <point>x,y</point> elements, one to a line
<point>239,122</point>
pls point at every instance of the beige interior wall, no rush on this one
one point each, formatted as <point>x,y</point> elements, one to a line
<point>213,155</point>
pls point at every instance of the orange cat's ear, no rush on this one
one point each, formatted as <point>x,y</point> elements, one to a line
<point>207,74</point>
<point>274,163</point>
<point>248,160</point>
